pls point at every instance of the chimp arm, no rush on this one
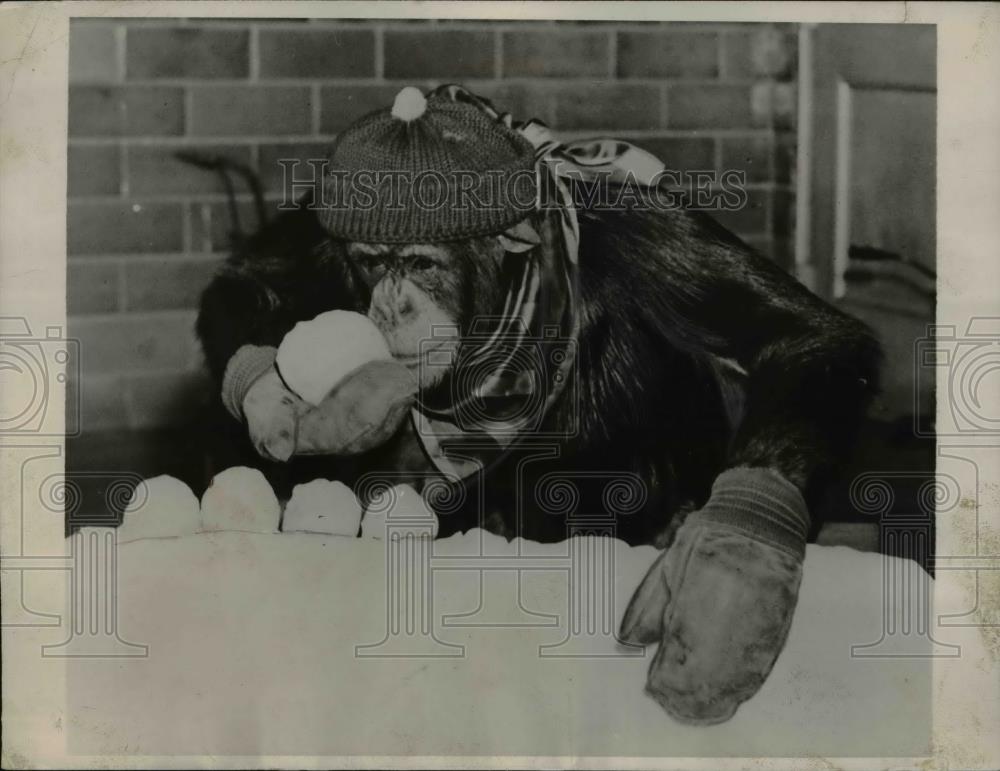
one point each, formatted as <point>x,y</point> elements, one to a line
<point>795,373</point>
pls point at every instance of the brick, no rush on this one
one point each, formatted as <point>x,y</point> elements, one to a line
<point>321,23</point>
<point>154,170</point>
<point>709,107</point>
<point>556,54</point>
<point>432,53</point>
<point>749,154</point>
<point>93,54</point>
<point>126,343</point>
<point>773,104</point>
<point>668,54</point>
<point>785,105</point>
<point>248,110</point>
<point>782,214</point>
<point>785,159</point>
<point>340,106</point>
<point>95,403</point>
<point>186,52</point>
<point>242,21</point>
<point>762,103</point>
<point>763,52</point>
<point>511,21</point>
<point>737,56</point>
<point>91,287</point>
<point>523,101</point>
<point>93,170</point>
<point>167,400</point>
<point>317,53</point>
<point>611,107</point>
<point>167,284</point>
<point>212,224</point>
<point>272,174</point>
<point>680,153</point>
<point>751,219</point>
<point>113,228</point>
<point>125,111</point>
<point>162,21</point>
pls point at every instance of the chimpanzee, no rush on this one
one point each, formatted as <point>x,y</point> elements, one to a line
<point>702,371</point>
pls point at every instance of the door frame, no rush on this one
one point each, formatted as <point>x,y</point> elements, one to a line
<point>833,60</point>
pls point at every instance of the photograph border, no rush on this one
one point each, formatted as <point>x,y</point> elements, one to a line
<point>33,146</point>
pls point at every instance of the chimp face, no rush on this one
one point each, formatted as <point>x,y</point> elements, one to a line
<point>424,297</point>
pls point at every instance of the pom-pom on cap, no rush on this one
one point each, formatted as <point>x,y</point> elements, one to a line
<point>410,104</point>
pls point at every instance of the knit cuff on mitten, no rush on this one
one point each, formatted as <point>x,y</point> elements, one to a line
<point>243,370</point>
<point>760,503</point>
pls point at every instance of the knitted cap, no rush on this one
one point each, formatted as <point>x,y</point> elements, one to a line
<point>428,169</point>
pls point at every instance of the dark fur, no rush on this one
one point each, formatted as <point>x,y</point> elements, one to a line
<point>666,299</point>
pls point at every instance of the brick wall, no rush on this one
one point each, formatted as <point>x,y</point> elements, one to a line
<point>145,232</point>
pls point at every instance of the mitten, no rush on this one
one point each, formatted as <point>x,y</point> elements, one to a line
<point>244,368</point>
<point>720,600</point>
<point>331,388</point>
<point>252,391</point>
<point>340,363</point>
<point>362,412</point>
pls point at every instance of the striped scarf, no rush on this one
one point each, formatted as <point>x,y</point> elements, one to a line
<point>510,369</point>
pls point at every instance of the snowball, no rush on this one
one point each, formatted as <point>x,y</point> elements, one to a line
<point>400,505</point>
<point>317,354</point>
<point>160,507</point>
<point>240,498</point>
<point>322,506</point>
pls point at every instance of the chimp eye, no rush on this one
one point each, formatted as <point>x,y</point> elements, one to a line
<point>423,263</point>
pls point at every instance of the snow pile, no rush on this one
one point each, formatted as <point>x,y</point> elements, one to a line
<point>324,507</point>
<point>416,632</point>
<point>402,507</point>
<point>309,645</point>
<point>160,507</point>
<point>240,498</point>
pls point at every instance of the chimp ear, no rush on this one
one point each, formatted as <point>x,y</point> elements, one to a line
<point>520,238</point>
